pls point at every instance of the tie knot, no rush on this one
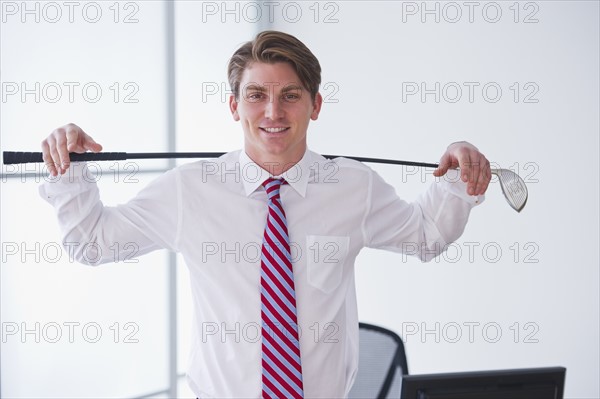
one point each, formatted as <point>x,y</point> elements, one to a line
<point>272,186</point>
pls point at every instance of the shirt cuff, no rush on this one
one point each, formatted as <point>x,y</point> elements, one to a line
<point>78,172</point>
<point>452,183</point>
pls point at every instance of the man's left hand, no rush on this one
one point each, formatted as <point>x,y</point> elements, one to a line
<point>474,166</point>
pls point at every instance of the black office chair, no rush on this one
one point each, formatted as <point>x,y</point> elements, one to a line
<point>381,363</point>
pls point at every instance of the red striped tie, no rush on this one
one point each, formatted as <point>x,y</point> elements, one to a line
<point>281,367</point>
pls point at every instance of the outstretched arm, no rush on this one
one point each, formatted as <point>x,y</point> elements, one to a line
<point>147,222</point>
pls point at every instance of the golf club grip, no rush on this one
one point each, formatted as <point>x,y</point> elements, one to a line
<point>13,157</point>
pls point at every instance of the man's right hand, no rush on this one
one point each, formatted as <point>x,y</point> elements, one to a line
<point>65,139</point>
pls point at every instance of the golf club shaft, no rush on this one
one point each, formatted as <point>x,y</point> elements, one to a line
<point>513,187</point>
<point>12,157</point>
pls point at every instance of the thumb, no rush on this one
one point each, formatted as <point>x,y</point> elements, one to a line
<point>443,166</point>
<point>91,145</point>
<point>81,142</point>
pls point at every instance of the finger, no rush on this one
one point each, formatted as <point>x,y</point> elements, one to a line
<point>91,145</point>
<point>73,138</point>
<point>484,178</point>
<point>54,155</point>
<point>474,177</point>
<point>63,153</point>
<point>479,172</point>
<point>465,169</point>
<point>47,157</point>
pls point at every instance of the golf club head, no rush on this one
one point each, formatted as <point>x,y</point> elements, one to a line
<point>513,188</point>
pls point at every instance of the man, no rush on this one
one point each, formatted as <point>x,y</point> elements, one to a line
<point>288,287</point>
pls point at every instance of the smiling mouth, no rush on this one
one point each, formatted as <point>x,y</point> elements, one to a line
<point>274,129</point>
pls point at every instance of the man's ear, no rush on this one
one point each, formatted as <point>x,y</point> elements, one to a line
<point>233,104</point>
<point>316,107</point>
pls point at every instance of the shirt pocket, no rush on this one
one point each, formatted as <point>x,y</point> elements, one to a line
<point>325,262</point>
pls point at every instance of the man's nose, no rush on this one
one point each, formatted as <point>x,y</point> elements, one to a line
<point>274,110</point>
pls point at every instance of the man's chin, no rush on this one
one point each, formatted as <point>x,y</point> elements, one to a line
<point>286,151</point>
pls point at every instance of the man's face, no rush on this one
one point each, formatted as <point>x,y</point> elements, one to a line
<point>274,109</point>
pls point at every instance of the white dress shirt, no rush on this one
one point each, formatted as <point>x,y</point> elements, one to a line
<point>214,212</point>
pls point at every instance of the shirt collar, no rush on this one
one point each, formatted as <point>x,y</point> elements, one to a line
<point>253,175</point>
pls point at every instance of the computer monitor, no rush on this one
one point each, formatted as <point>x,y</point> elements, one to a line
<point>528,383</point>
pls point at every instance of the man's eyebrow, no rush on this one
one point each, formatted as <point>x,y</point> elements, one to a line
<point>292,87</point>
<point>256,87</point>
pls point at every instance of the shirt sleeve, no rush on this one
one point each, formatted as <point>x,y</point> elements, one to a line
<point>93,233</point>
<point>423,228</point>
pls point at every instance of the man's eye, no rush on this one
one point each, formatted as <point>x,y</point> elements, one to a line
<point>254,97</point>
<point>291,97</point>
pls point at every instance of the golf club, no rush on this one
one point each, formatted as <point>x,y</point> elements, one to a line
<point>513,187</point>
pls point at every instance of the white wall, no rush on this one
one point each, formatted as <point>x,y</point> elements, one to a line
<point>69,330</point>
<point>541,291</point>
